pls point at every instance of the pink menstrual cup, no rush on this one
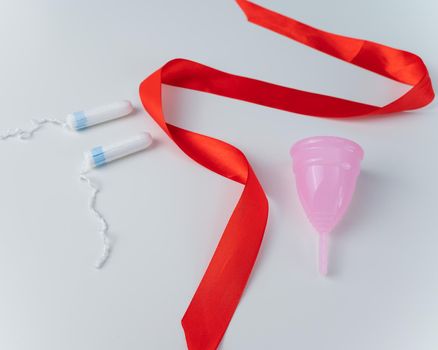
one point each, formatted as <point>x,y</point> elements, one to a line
<point>326,169</point>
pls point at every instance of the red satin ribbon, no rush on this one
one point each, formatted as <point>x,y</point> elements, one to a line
<point>218,294</point>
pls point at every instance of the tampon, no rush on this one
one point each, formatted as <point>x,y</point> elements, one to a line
<point>83,119</point>
<point>102,155</point>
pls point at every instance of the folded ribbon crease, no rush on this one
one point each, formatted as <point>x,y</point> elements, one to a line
<point>224,281</point>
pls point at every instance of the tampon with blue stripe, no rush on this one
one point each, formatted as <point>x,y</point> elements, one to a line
<point>84,119</point>
<point>102,155</point>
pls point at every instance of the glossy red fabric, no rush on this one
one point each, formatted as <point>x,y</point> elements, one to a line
<point>219,291</point>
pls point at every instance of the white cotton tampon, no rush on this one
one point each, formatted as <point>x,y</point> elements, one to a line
<point>84,119</point>
<point>101,155</point>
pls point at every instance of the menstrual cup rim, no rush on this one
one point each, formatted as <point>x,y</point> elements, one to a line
<point>320,140</point>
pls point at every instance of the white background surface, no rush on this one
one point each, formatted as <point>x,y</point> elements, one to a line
<point>167,213</point>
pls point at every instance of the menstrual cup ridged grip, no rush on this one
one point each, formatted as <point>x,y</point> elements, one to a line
<point>326,169</point>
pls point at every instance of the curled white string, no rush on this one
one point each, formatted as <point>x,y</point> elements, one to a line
<point>104,227</point>
<point>37,124</point>
<point>25,134</point>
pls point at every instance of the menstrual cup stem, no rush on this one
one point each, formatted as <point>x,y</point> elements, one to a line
<point>323,253</point>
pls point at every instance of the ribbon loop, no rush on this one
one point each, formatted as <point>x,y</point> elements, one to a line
<point>224,281</point>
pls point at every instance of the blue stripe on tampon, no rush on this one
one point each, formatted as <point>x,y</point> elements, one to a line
<point>81,121</point>
<point>98,156</point>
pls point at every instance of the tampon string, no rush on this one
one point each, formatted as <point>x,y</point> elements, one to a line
<point>37,124</point>
<point>104,227</point>
<point>97,157</point>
